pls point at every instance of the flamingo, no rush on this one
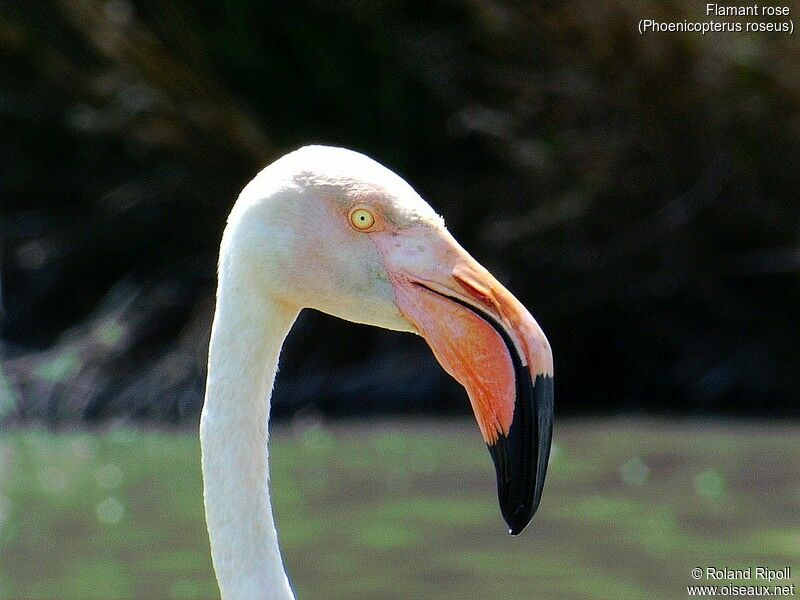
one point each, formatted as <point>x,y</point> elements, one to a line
<point>331,229</point>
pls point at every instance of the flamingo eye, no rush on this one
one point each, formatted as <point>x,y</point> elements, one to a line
<point>362,219</point>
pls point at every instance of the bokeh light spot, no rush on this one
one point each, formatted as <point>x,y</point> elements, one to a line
<point>710,484</point>
<point>110,511</point>
<point>635,471</point>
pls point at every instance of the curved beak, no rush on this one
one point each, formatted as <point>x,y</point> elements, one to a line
<point>486,339</point>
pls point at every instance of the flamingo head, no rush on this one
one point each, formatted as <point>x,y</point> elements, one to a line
<point>331,229</point>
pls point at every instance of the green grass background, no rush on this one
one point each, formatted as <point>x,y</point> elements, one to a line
<point>406,510</point>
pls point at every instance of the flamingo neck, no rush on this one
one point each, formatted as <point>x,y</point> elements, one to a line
<point>246,339</point>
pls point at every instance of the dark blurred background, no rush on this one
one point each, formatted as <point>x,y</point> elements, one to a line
<point>640,194</point>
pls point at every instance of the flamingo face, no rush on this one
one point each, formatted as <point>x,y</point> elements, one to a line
<point>346,236</point>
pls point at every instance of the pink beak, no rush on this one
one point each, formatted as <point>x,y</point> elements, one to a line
<point>486,339</point>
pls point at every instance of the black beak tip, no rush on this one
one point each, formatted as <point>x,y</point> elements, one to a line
<point>521,457</point>
<point>516,528</point>
<point>518,519</point>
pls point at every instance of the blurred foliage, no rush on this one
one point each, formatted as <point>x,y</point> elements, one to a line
<point>404,512</point>
<point>639,193</point>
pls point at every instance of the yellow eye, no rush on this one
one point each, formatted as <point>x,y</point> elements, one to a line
<point>362,219</point>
